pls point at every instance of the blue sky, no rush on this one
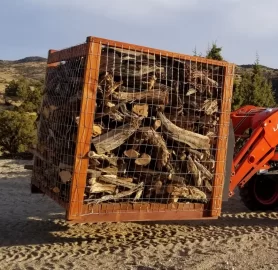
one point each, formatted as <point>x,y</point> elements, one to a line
<point>241,27</point>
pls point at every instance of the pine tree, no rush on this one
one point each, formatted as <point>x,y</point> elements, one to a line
<point>214,52</point>
<point>253,89</point>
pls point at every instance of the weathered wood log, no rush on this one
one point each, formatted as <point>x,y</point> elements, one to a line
<point>208,185</point>
<point>204,170</point>
<point>191,91</point>
<point>203,77</point>
<point>192,168</point>
<point>108,170</point>
<point>155,139</point>
<point>141,109</point>
<point>118,181</point>
<point>210,106</point>
<point>121,68</point>
<point>187,121</point>
<point>92,176</point>
<point>194,140</point>
<point>113,113</point>
<point>187,192</point>
<point>156,97</point>
<point>195,153</point>
<point>138,189</point>
<point>111,160</point>
<point>102,188</point>
<point>114,138</point>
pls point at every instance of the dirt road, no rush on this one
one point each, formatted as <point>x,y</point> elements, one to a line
<point>33,235</point>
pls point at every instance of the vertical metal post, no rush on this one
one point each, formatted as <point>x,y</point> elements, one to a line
<point>216,201</point>
<point>87,111</point>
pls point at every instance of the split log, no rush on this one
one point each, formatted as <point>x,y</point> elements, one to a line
<point>97,130</point>
<point>187,192</point>
<point>191,91</point>
<point>195,153</point>
<point>118,181</point>
<point>92,176</point>
<point>187,121</point>
<point>141,109</point>
<point>111,160</point>
<point>131,153</point>
<point>203,78</point>
<point>204,170</point>
<point>114,138</point>
<point>108,170</point>
<point>143,160</point>
<point>138,189</point>
<point>210,106</point>
<point>102,188</point>
<point>194,140</point>
<point>208,185</point>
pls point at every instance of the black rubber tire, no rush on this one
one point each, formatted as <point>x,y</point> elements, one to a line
<point>249,195</point>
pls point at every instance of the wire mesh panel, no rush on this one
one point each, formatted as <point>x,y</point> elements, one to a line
<point>145,135</point>
<point>57,128</point>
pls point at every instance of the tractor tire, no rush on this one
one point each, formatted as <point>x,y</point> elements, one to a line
<point>260,193</point>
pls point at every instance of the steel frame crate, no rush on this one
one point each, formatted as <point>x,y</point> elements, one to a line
<point>98,97</point>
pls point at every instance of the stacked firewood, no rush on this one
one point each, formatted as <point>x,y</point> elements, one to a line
<point>155,129</point>
<point>57,127</point>
<point>154,133</point>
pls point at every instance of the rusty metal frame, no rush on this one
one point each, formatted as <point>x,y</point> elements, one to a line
<point>76,211</point>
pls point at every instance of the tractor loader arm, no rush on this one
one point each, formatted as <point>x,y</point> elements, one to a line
<point>257,128</point>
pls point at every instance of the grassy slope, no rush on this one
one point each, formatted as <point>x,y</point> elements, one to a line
<point>31,68</point>
<point>13,70</point>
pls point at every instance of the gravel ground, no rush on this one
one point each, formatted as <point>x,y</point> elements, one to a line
<point>34,235</point>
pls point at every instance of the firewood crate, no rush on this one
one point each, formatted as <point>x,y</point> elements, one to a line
<point>130,133</point>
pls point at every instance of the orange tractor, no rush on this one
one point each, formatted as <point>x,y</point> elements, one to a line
<point>253,139</point>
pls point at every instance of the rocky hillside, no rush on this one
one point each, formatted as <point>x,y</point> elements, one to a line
<point>29,67</point>
<point>34,68</point>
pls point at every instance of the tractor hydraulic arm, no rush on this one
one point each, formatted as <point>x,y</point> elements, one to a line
<point>260,144</point>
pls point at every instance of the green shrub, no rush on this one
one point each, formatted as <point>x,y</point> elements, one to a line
<point>28,92</point>
<point>17,131</point>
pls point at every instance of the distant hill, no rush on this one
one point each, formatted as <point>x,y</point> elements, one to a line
<point>33,67</point>
<point>32,59</point>
<point>270,73</point>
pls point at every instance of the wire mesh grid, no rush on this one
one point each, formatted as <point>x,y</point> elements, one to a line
<point>57,128</point>
<point>132,130</point>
